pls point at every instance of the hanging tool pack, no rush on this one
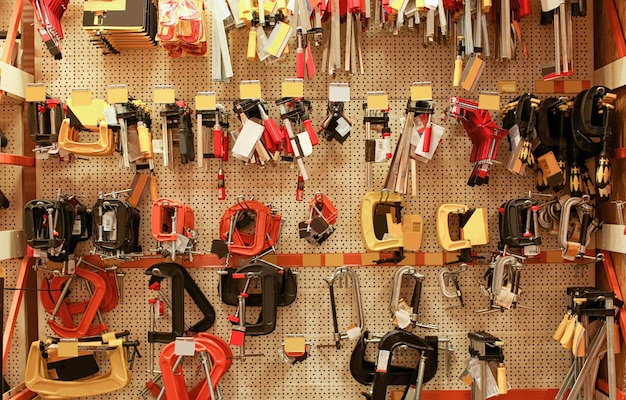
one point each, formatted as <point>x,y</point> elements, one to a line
<point>381,224</point>
<point>260,140</point>
<point>216,359</point>
<point>484,134</point>
<point>181,28</point>
<point>337,125</point>
<point>553,129</point>
<point>180,282</point>
<point>52,374</point>
<point>322,218</point>
<point>591,132</point>
<point>397,179</point>
<point>248,229</point>
<point>116,225</point>
<point>272,280</point>
<point>472,225</point>
<point>521,113</point>
<point>376,150</point>
<point>404,315</point>
<point>172,225</point>
<point>450,277</point>
<point>485,349</point>
<point>501,283</point>
<point>574,241</point>
<point>423,372</point>
<point>134,143</point>
<point>55,227</point>
<point>364,370</point>
<point>48,15</point>
<point>176,118</point>
<point>518,223</point>
<point>294,112</point>
<point>353,331</point>
<point>217,121</point>
<point>44,123</point>
<point>587,330</point>
<point>103,297</point>
<point>90,117</point>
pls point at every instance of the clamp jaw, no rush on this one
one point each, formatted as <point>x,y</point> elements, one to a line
<point>381,224</point>
<point>173,222</point>
<point>473,229</point>
<point>116,223</point>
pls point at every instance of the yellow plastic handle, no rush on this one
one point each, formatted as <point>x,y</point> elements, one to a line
<point>251,54</point>
<point>458,69</point>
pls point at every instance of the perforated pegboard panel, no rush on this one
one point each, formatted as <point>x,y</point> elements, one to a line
<point>392,63</point>
<point>10,183</point>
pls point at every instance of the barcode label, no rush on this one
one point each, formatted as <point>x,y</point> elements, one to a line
<point>548,164</point>
<point>417,226</point>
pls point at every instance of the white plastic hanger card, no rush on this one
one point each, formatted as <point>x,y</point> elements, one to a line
<point>436,134</point>
<point>249,135</point>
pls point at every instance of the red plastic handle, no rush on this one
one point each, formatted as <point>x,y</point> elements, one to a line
<point>308,126</point>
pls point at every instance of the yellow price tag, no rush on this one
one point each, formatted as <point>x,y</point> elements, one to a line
<point>270,6</point>
<point>117,94</point>
<point>507,86</point>
<point>68,348</point>
<point>35,92</point>
<point>488,101</point>
<point>396,4</point>
<point>295,344</point>
<point>206,101</point>
<point>421,92</point>
<point>293,88</point>
<point>164,95</point>
<point>250,90</point>
<point>81,97</point>
<point>378,101</point>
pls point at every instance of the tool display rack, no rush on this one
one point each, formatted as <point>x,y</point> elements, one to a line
<point>392,63</point>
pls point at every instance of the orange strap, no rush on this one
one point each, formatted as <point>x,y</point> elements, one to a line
<point>12,159</point>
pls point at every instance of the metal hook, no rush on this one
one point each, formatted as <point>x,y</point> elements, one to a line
<point>241,201</point>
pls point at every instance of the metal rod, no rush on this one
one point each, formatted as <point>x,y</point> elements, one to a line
<point>420,377</point>
<point>610,349</point>
<point>66,288</point>
<point>209,381</point>
<point>179,360</point>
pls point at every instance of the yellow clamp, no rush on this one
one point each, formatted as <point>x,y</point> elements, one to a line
<point>68,141</point>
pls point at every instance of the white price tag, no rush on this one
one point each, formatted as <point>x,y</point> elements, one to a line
<point>353,332</point>
<point>343,127</point>
<point>157,146</point>
<point>382,362</point>
<point>339,92</point>
<point>381,150</point>
<point>184,346</point>
<point>108,221</point>
<point>110,115</point>
<point>181,243</point>
<point>77,228</point>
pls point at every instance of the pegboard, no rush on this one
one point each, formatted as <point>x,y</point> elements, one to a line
<point>392,63</point>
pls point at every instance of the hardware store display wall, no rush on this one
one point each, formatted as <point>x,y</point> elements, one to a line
<point>392,63</point>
